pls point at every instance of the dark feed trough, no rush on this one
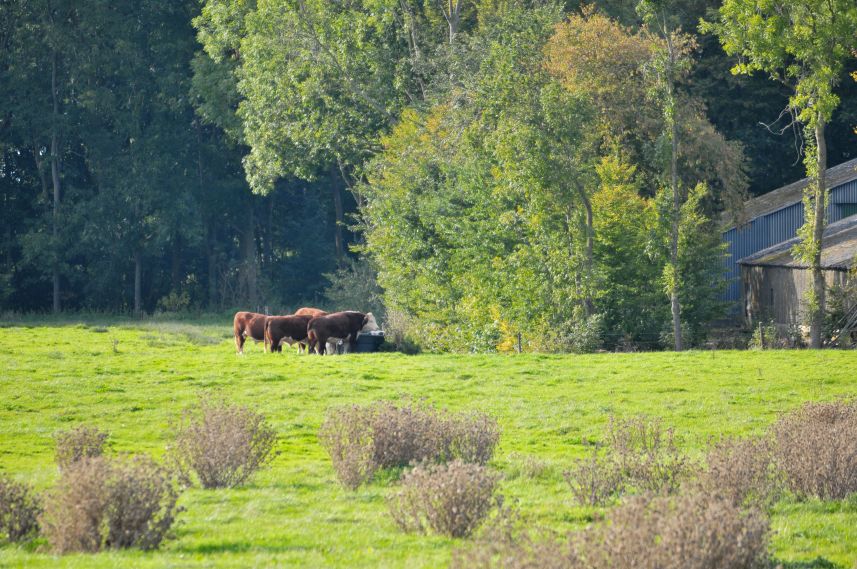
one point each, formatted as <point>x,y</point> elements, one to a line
<point>368,342</point>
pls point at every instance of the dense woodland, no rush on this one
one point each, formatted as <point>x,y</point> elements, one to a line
<point>484,172</point>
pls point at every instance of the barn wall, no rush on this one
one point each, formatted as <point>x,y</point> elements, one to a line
<point>775,227</point>
<point>779,293</point>
<point>841,197</point>
<point>760,233</point>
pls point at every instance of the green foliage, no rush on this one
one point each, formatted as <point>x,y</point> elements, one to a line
<point>491,214</point>
<point>627,262</point>
<point>802,42</point>
<point>473,207</point>
<point>355,287</point>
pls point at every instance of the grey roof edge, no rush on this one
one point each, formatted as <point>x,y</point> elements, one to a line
<point>793,267</point>
<point>788,195</point>
<point>832,230</point>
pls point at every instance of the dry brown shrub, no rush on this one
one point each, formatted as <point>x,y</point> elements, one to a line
<point>742,471</point>
<point>646,453</point>
<point>816,448</point>
<point>364,439</point>
<point>347,435</point>
<point>506,542</point>
<point>141,504</point>
<point>100,503</point>
<point>595,480</point>
<point>449,499</point>
<point>471,437</point>
<point>74,509</point>
<point>691,531</point>
<point>19,510</point>
<point>222,445</point>
<point>81,442</point>
<point>401,435</point>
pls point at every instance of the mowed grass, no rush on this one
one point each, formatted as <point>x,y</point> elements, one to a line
<point>134,382</point>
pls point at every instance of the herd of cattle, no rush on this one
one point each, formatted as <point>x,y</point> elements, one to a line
<point>310,328</point>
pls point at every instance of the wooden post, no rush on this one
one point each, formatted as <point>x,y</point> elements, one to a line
<point>520,348</point>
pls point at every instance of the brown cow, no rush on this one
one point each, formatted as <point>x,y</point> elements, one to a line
<point>249,324</point>
<point>338,326</point>
<point>289,329</point>
<point>307,311</point>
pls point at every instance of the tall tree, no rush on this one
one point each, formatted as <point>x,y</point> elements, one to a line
<point>672,143</point>
<point>804,44</point>
<point>43,37</point>
<point>670,64</point>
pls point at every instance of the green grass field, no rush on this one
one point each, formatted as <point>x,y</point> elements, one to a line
<point>135,381</point>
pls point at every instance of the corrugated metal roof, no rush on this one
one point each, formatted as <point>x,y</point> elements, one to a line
<point>839,250</point>
<point>790,194</point>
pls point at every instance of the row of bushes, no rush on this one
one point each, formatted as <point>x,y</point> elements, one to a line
<point>692,531</point>
<point>448,490</point>
<point>364,439</point>
<point>690,516</point>
<point>102,502</point>
<point>811,452</point>
<point>676,513</point>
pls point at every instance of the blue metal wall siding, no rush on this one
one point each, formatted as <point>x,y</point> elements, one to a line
<point>844,194</point>
<point>760,233</point>
<point>775,227</point>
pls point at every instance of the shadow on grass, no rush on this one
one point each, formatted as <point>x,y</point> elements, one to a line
<point>239,547</point>
<point>817,563</point>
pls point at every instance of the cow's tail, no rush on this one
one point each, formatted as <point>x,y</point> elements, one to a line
<point>268,342</point>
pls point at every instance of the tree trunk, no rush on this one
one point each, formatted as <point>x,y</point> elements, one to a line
<point>340,215</point>
<point>818,288</point>
<point>268,245</point>
<point>248,254</point>
<point>176,264</point>
<point>55,177</point>
<point>210,252</point>
<point>453,18</point>
<point>588,304</point>
<point>138,283</point>
<point>675,304</point>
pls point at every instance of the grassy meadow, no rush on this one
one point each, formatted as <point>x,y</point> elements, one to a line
<point>133,380</point>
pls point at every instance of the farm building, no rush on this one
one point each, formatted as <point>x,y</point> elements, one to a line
<point>775,283</point>
<point>759,264</point>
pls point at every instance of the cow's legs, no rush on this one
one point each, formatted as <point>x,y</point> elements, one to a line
<point>350,344</point>
<point>239,341</point>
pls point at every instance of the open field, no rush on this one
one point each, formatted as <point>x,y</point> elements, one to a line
<point>134,382</point>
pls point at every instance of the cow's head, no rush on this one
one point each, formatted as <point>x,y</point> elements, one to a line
<point>369,323</point>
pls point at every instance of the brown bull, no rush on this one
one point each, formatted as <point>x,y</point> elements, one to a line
<point>308,311</point>
<point>338,326</point>
<point>288,329</point>
<point>247,324</point>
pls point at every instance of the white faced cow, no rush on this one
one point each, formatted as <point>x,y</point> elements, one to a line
<point>339,326</point>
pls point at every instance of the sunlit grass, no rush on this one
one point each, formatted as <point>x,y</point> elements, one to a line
<point>135,378</point>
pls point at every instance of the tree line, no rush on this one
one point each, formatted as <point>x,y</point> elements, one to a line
<point>118,194</point>
<point>504,174</point>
